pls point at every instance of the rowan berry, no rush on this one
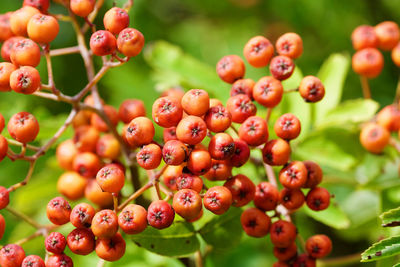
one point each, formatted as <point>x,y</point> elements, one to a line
<point>43,29</point>
<point>160,214</point>
<point>55,243</point>
<point>103,43</point>
<point>292,199</point>
<point>319,246</point>
<point>220,170</point>
<point>368,62</point>
<point>98,123</point>
<point>255,222</point>
<point>304,260</point>
<point>108,147</point>
<point>25,80</point>
<point>174,152</point>
<point>130,42</point>
<point>283,233</point>
<point>254,131</point>
<point>23,127</point>
<point>218,119</point>
<point>82,8</point>
<point>240,107</point>
<point>189,181</point>
<point>388,34</point>
<point>266,196</point>
<point>85,138</point>
<point>105,224</point>
<point>241,154</point>
<point>86,164</point>
<point>318,199</point>
<point>72,185</point>
<point>42,5</point>
<point>215,102</point>
<point>170,175</point>
<point>111,249</point>
<point>3,147</point>
<point>130,109</point>
<point>287,127</point>
<point>364,36</point>
<point>59,260</point>
<point>243,87</point>
<point>389,117</point>
<point>290,44</point>
<point>33,261</point>
<point>94,193</point>
<point>276,152</point>
<point>199,161</point>
<point>314,174</point>
<point>2,122</point>
<point>140,131</point>
<point>19,19</point>
<point>167,112</point>
<point>6,69</point>
<point>195,102</point>
<point>11,255</point>
<point>7,47</point>
<point>5,28</point>
<point>242,189</point>
<point>221,146</point>
<point>111,178</point>
<point>374,137</point>
<point>65,153</point>
<point>115,20</point>
<point>258,51</point>
<point>149,157</point>
<point>217,199</point>
<point>187,203</point>
<point>58,211</point>
<point>82,215</point>
<point>191,130</point>
<point>2,226</point>
<point>311,89</point>
<point>396,55</point>
<point>81,241</point>
<point>169,134</point>
<point>268,91</point>
<point>293,175</point>
<point>4,197</point>
<point>230,68</point>
<point>285,254</point>
<point>81,118</point>
<point>133,219</point>
<point>281,67</point>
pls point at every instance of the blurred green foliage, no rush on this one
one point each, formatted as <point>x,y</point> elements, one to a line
<point>184,40</point>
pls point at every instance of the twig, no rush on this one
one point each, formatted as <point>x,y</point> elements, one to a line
<point>269,111</point>
<point>365,87</point>
<point>16,143</point>
<point>64,51</point>
<point>23,217</point>
<point>27,177</point>
<point>135,195</point>
<point>26,239</point>
<point>291,90</point>
<point>198,259</point>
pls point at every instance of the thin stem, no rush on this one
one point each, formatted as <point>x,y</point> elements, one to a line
<point>26,239</point>
<point>341,261</point>
<point>92,16</point>
<point>269,111</point>
<point>198,259</point>
<point>128,5</point>
<point>50,71</point>
<point>291,90</point>
<point>64,51</point>
<point>23,217</point>
<point>166,191</point>
<point>115,199</point>
<point>135,195</point>
<point>16,143</point>
<point>91,83</point>
<point>27,177</point>
<point>365,87</point>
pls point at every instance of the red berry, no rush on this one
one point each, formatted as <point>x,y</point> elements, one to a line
<point>276,152</point>
<point>133,219</point>
<point>2,226</point>
<point>160,214</point>
<point>281,67</point>
<point>19,19</point>
<point>240,107</point>
<point>318,199</point>
<point>25,52</point>
<point>268,91</point>
<point>218,119</point>
<point>285,254</point>
<point>388,34</point>
<point>191,130</point>
<point>105,224</point>
<point>5,27</point>
<point>241,154</point>
<point>59,260</point>
<point>291,199</point>
<point>217,199</point>
<point>111,178</point>
<point>304,260</point>
<point>174,152</point>
<point>3,147</point>
<point>167,112</point>
<point>283,233</point>
<point>230,68</point>
<point>25,80</point>
<point>389,117</point>
<point>140,131</point>
<point>86,164</point>
<point>287,127</point>
<point>81,241</point>
<point>195,102</point>
<point>319,246</point>
<point>243,86</point>
<point>6,69</point>
<point>82,215</point>
<point>115,20</point>
<point>82,8</point>
<point>290,44</point>
<point>33,261</point>
<point>314,174</point>
<point>242,189</point>
<point>220,170</point>
<point>55,243</point>
<point>58,211</point>
<point>364,36</point>
<point>111,249</point>
<point>149,157</point>
<point>43,29</point>
<point>130,42</point>
<point>71,185</point>
<point>254,131</point>
<point>221,146</point>
<point>258,51</point>
<point>42,5</point>
<point>266,196</point>
<point>293,175</point>
<point>130,109</point>
<point>189,181</point>
<point>311,89</point>
<point>7,47</point>
<point>11,255</point>
<point>187,203</point>
<point>374,137</point>
<point>103,43</point>
<point>255,222</point>
<point>4,197</point>
<point>169,134</point>
<point>367,62</point>
<point>199,161</point>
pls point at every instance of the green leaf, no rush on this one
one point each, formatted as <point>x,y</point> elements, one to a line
<point>175,241</point>
<point>333,216</point>
<point>225,231</point>
<point>383,249</point>
<point>396,265</point>
<point>361,206</point>
<point>332,74</point>
<point>350,111</point>
<point>391,217</point>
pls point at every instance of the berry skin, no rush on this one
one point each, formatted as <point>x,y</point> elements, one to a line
<point>43,29</point>
<point>20,18</point>
<point>367,62</point>
<point>311,89</point>
<point>243,86</point>
<point>169,134</point>
<point>389,117</point>
<point>111,249</point>
<point>240,107</point>
<point>258,51</point>
<point>187,203</point>
<point>140,131</point>
<point>103,43</point>
<point>290,44</point>
<point>98,123</point>
<point>281,67</point>
<point>293,175</point>
<point>268,91</point>
<point>195,102</point>
<point>94,193</point>
<point>170,176</point>
<point>364,36</point>
<point>82,215</point>
<point>2,123</point>
<point>217,118</point>
<point>59,260</point>
<point>11,255</point>
<point>115,20</point>
<point>167,112</point>
<point>374,138</point>
<point>25,80</point>
<point>217,199</point>
<point>82,8</point>
<point>130,109</point>
<point>5,28</point>
<point>314,174</point>
<point>130,42</point>
<point>191,130</point>
<point>160,214</point>
<point>133,219</point>
<point>65,154</point>
<point>230,68</point>
<point>111,178</point>
<point>215,102</point>
<point>81,241</point>
<point>71,185</point>
<point>221,146</point>
<point>291,199</point>
<point>23,127</point>
<point>220,170</point>
<point>276,152</point>
<point>2,226</point>
<point>388,34</point>
<point>86,164</point>
<point>189,181</point>
<point>174,152</point>
<point>105,224</point>
<point>242,190</point>
<point>108,147</point>
<point>396,55</point>
<point>33,261</point>
<point>3,147</point>
<point>285,254</point>
<point>42,5</point>
<point>241,154</point>
<point>304,260</point>
<point>266,196</point>
<point>199,161</point>
<point>283,233</point>
<point>149,157</point>
<point>255,222</point>
<point>318,199</point>
<point>7,47</point>
<point>287,127</point>
<point>6,69</point>
<point>58,211</point>
<point>254,131</point>
<point>55,243</point>
<point>319,246</point>
<point>4,197</point>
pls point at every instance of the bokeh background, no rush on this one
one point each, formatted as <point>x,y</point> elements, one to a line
<point>184,40</point>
